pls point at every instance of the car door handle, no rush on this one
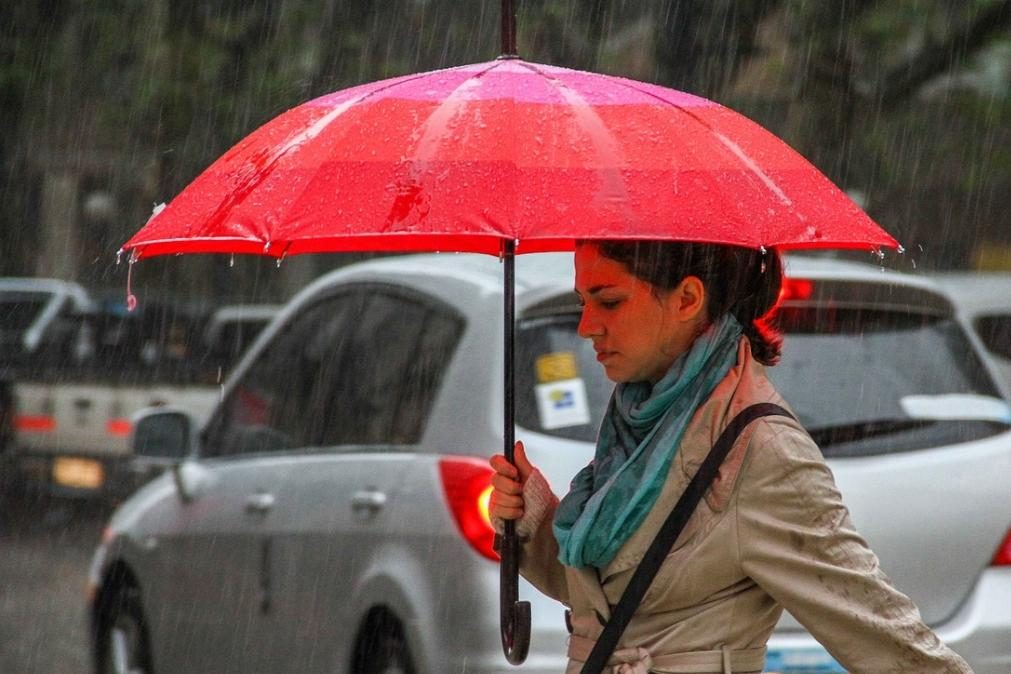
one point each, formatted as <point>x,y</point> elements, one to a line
<point>371,500</point>
<point>259,503</point>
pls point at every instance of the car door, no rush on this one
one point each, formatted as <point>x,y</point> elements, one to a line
<point>337,508</point>
<point>219,597</point>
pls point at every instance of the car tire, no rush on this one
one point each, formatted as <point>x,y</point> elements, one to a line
<point>382,648</point>
<point>122,643</point>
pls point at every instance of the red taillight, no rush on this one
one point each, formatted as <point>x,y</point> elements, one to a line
<point>34,423</point>
<point>795,289</point>
<point>1003,555</point>
<point>467,484</point>
<point>119,427</point>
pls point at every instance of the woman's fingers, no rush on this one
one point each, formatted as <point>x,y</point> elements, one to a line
<point>506,485</point>
<point>505,506</point>
<point>503,513</point>
<point>501,466</point>
<point>522,468</point>
<point>507,495</point>
<point>522,464</point>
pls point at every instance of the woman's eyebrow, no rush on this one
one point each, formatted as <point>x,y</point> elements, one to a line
<point>594,290</point>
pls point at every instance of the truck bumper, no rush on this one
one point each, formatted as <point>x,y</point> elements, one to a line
<point>74,476</point>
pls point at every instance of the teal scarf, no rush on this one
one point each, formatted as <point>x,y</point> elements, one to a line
<point>638,438</point>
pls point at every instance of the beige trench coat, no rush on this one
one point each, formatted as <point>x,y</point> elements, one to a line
<point>772,532</point>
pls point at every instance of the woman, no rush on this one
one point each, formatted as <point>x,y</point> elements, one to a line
<point>678,327</point>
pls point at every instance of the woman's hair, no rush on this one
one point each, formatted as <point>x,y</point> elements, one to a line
<point>742,281</point>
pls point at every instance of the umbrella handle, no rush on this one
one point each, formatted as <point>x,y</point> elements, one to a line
<point>515,615</point>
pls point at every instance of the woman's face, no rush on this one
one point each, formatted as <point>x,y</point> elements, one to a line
<point>637,332</point>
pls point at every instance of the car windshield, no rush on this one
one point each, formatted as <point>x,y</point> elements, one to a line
<point>18,310</point>
<point>862,381</point>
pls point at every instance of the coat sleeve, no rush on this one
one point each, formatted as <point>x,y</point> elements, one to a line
<point>539,557</point>
<point>796,540</point>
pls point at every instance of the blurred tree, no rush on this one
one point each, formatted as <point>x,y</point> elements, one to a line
<point>889,98</point>
<point>701,44</point>
<point>874,103</point>
<point>27,30</point>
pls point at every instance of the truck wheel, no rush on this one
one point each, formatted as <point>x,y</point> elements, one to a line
<point>382,648</point>
<point>122,641</point>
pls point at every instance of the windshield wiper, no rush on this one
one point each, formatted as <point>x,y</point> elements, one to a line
<point>826,436</point>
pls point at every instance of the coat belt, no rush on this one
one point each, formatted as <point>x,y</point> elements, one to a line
<point>641,661</point>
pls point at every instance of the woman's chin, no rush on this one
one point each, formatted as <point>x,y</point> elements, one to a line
<point>616,375</point>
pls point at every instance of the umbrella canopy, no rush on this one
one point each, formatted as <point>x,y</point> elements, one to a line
<point>463,158</point>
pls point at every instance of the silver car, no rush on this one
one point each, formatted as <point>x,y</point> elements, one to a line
<point>984,300</point>
<point>331,515</point>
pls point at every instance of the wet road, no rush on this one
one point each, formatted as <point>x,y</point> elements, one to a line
<point>45,549</point>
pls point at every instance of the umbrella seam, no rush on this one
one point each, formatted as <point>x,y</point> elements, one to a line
<point>739,153</point>
<point>408,190</point>
<point>602,132</point>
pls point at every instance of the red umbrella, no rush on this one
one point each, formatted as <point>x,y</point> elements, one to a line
<point>503,157</point>
<point>464,158</point>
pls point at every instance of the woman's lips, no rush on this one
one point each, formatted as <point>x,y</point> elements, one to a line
<point>604,355</point>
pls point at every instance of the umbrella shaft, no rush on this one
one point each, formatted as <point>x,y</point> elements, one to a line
<point>509,325</point>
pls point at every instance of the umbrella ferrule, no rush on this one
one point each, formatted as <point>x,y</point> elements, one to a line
<point>508,30</point>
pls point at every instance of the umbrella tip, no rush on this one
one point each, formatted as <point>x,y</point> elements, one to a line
<point>508,30</point>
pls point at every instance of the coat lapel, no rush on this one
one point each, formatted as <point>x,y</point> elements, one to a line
<point>588,581</point>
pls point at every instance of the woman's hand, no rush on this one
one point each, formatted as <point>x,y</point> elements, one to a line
<point>507,496</point>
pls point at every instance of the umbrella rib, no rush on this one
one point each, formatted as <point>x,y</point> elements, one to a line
<point>409,189</point>
<point>754,170</point>
<point>607,149</point>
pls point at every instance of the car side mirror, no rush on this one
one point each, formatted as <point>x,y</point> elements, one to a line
<point>162,439</point>
<point>163,435</point>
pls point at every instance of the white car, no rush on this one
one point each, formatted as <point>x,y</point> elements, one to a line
<point>331,516</point>
<point>984,300</point>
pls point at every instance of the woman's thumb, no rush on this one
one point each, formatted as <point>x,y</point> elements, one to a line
<point>522,463</point>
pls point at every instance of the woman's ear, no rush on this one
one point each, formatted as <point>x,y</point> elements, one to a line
<point>689,298</point>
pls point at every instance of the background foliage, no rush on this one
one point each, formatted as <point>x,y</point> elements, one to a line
<point>902,102</point>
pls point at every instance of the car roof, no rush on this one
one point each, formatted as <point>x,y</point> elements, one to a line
<point>977,291</point>
<point>45,285</point>
<point>539,269</point>
<point>542,280</point>
<point>245,312</point>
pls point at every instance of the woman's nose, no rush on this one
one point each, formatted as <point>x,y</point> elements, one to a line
<point>588,327</point>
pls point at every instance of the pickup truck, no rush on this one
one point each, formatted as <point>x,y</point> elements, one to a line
<point>77,370</point>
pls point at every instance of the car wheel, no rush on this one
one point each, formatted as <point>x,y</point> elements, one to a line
<point>382,648</point>
<point>123,646</point>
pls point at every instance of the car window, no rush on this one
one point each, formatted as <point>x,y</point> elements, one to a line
<point>995,331</point>
<point>397,354</point>
<point>561,390</point>
<point>223,348</point>
<point>359,368</point>
<point>278,403</point>
<point>862,381</point>
<point>18,310</point>
<point>870,381</point>
<point>423,373</point>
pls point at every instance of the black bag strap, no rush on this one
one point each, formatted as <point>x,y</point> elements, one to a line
<point>668,534</point>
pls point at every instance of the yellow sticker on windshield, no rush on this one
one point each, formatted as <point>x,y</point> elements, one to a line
<point>556,367</point>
